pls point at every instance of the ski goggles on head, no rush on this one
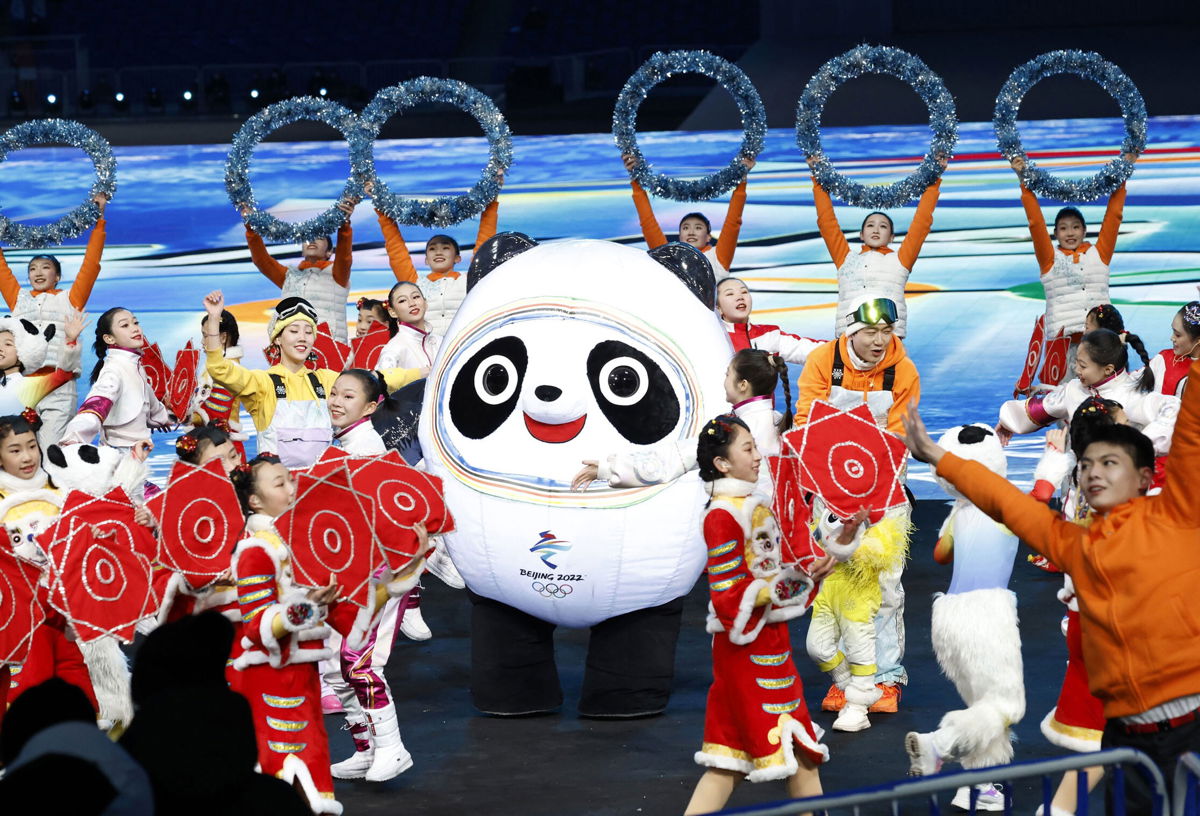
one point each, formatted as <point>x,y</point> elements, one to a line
<point>874,311</point>
<point>294,306</point>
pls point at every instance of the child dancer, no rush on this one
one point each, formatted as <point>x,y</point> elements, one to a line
<point>1170,366</point>
<point>121,406</point>
<point>322,277</point>
<point>370,312</point>
<point>23,350</point>
<point>756,724</point>
<point>287,401</point>
<point>734,305</point>
<point>1101,370</point>
<point>875,267</point>
<point>45,303</point>
<point>213,402</point>
<point>1074,277</point>
<point>444,287</point>
<point>413,344</point>
<point>695,228</point>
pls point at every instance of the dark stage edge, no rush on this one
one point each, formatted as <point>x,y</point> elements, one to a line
<point>468,763</point>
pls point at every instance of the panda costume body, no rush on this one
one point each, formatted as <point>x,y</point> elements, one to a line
<point>560,350</point>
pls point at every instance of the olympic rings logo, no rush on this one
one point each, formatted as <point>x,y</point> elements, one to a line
<point>360,133</point>
<point>547,590</point>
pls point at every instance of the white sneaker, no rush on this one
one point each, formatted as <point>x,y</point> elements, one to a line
<point>355,767</point>
<point>923,756</point>
<point>439,564</point>
<point>852,717</point>
<point>413,625</point>
<point>990,797</point>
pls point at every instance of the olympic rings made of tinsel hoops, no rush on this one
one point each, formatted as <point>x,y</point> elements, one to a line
<point>273,117</point>
<point>877,59</point>
<point>732,79</point>
<point>52,132</point>
<point>1088,65</point>
<point>446,210</point>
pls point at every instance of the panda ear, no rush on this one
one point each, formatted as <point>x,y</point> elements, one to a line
<point>49,332</point>
<point>495,251</point>
<point>691,267</point>
<point>29,327</point>
<point>55,455</point>
<point>89,454</point>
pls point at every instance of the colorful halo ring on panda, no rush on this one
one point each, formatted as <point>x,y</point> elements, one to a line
<point>270,119</point>
<point>41,132</point>
<point>648,351</point>
<point>445,210</point>
<point>1108,76</point>
<point>732,79</point>
<point>877,59</point>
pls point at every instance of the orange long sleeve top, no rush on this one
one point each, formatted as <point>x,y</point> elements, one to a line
<point>1135,570</point>
<point>1043,245</point>
<point>730,229</point>
<point>343,256</point>
<point>816,380</point>
<point>81,289</point>
<point>397,251</point>
<point>910,247</point>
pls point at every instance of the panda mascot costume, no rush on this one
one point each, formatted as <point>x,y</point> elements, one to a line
<point>974,632</point>
<point>559,350</point>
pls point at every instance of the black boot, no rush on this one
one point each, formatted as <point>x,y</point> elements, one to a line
<point>631,663</point>
<point>512,661</point>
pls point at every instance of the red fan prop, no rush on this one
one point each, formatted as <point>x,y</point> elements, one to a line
<point>199,520</point>
<point>792,512</point>
<point>157,371</point>
<point>365,350</point>
<point>329,353</point>
<point>99,583</point>
<point>330,534</point>
<point>397,497</point>
<point>182,385</point>
<point>112,515</point>
<point>20,612</point>
<point>848,460</point>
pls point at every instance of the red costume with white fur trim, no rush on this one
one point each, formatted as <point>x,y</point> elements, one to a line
<point>756,718</point>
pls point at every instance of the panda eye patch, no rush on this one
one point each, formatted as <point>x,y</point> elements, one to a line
<point>633,392</point>
<point>486,388</point>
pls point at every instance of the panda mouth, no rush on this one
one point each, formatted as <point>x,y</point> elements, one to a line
<point>554,433</point>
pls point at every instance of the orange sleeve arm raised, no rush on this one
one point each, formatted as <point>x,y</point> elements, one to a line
<point>1106,243</point>
<point>343,255</point>
<point>651,229</point>
<point>1043,247</point>
<point>397,251</point>
<point>270,267</point>
<point>1178,496</point>
<point>727,244</point>
<point>9,286</point>
<point>827,223</point>
<point>89,270</point>
<point>921,224</point>
<point>487,223</point>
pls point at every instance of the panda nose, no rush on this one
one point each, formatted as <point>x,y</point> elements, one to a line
<point>547,393</point>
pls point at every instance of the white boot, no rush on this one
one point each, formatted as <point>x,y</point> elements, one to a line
<point>359,763</point>
<point>860,693</point>
<point>412,623</point>
<point>391,759</point>
<point>439,564</point>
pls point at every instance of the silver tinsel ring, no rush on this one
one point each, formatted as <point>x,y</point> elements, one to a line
<point>273,117</point>
<point>445,210</point>
<point>732,79</point>
<point>877,59</point>
<point>52,132</point>
<point>1088,65</point>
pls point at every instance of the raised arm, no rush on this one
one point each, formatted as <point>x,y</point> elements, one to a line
<point>343,255</point>
<point>397,251</point>
<point>827,223</point>
<point>651,229</point>
<point>89,270</point>
<point>241,382</point>
<point>1177,499</point>
<point>273,269</point>
<point>488,221</point>
<point>1043,247</point>
<point>732,227</point>
<point>922,223</point>
<point>10,287</point>
<point>1106,243</point>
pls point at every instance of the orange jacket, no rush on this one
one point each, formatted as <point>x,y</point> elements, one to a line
<point>1135,570</point>
<point>275,271</point>
<point>1043,245</point>
<point>726,244</point>
<point>910,247</point>
<point>81,289</point>
<point>816,379</point>
<point>397,251</point>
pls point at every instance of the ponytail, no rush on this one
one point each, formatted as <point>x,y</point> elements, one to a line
<point>1146,381</point>
<point>762,370</point>
<point>786,419</point>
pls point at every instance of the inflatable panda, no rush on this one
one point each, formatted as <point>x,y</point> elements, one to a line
<point>561,352</point>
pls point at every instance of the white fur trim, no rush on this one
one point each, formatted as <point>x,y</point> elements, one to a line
<point>739,635</point>
<point>294,770</point>
<point>1071,743</point>
<point>978,645</point>
<point>793,730</point>
<point>725,763</point>
<point>109,672</point>
<point>397,587</point>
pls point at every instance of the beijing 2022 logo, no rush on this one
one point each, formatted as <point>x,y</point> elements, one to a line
<point>550,584</point>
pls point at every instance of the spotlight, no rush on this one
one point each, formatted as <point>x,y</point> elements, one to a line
<point>86,100</point>
<point>53,103</point>
<point>189,99</point>
<point>254,93</point>
<point>322,92</point>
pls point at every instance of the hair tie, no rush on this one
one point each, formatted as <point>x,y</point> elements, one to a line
<point>31,416</point>
<point>220,424</point>
<point>360,303</point>
<point>1191,313</point>
<point>1123,335</point>
<point>244,469</point>
<point>186,444</point>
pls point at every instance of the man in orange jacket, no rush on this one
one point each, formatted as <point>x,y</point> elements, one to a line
<point>1134,562</point>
